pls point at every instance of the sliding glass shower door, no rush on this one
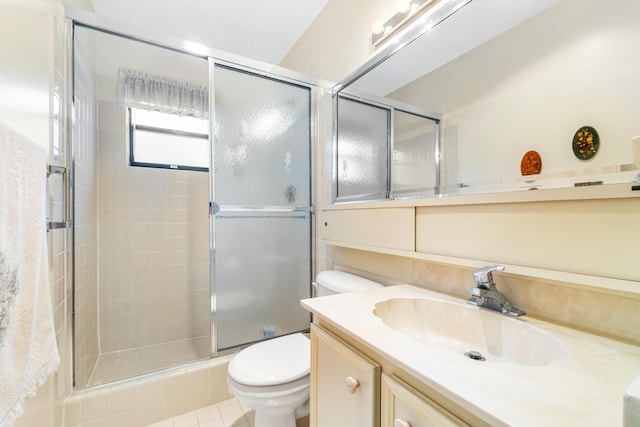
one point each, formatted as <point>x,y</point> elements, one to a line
<point>261,209</point>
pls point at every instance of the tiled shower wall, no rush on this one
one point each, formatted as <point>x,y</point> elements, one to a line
<point>153,248</point>
<point>85,222</point>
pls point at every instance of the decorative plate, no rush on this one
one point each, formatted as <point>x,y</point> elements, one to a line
<point>531,163</point>
<point>586,143</point>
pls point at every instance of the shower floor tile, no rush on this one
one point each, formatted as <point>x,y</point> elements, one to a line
<point>229,413</point>
<point>119,365</point>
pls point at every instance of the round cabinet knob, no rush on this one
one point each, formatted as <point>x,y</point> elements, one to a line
<point>351,384</point>
<point>400,423</point>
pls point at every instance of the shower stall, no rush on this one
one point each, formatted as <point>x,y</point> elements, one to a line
<point>191,204</point>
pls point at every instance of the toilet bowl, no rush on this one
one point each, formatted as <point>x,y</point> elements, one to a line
<point>272,377</point>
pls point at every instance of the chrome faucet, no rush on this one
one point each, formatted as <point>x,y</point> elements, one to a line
<point>485,294</point>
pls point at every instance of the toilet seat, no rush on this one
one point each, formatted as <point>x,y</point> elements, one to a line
<point>277,361</point>
<point>340,282</point>
<point>270,392</point>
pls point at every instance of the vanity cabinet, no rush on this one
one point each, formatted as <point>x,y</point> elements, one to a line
<point>403,406</point>
<point>390,228</point>
<point>349,389</point>
<point>345,385</point>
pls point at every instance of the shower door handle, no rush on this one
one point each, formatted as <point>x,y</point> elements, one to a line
<point>66,200</point>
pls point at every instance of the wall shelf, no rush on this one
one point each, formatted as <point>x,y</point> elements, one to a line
<point>603,285</point>
<point>597,192</point>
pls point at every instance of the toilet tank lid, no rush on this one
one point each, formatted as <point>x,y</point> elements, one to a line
<point>341,282</point>
<point>272,362</point>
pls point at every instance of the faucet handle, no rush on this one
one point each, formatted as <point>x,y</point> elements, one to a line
<point>484,276</point>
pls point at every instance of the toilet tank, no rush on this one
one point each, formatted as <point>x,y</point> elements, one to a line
<point>338,282</point>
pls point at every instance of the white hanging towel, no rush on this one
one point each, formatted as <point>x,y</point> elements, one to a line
<point>28,348</point>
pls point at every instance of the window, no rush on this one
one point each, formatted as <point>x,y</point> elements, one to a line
<point>161,140</point>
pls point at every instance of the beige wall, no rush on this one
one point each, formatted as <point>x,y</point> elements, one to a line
<point>339,39</point>
<point>25,48</point>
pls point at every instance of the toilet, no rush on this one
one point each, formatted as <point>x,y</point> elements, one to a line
<point>272,377</point>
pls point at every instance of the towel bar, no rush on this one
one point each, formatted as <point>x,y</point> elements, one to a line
<point>65,223</point>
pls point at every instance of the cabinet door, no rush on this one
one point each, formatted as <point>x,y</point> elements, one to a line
<point>405,407</point>
<point>391,228</point>
<point>345,385</point>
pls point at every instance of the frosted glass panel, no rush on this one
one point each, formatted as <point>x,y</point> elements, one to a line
<point>363,141</point>
<point>262,232</point>
<point>262,132</point>
<point>414,162</point>
<point>262,272</point>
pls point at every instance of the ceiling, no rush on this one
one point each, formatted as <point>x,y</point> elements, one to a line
<point>259,29</point>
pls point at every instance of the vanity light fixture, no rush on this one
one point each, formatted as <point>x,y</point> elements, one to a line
<point>407,12</point>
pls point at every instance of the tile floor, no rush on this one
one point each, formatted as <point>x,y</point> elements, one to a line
<point>229,413</point>
<point>129,363</point>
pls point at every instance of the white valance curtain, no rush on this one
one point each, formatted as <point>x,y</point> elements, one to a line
<point>156,93</point>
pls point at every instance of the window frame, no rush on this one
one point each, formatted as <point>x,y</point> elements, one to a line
<point>132,127</point>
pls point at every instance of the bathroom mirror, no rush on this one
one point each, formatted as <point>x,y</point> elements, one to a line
<point>511,77</point>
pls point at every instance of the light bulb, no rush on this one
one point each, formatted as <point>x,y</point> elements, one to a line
<point>377,27</point>
<point>404,6</point>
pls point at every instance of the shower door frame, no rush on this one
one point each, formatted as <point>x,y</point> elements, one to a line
<point>284,77</point>
<point>74,16</point>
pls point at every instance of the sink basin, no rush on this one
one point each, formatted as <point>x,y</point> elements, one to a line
<point>463,328</point>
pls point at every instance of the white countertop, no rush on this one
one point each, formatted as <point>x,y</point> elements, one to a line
<point>587,388</point>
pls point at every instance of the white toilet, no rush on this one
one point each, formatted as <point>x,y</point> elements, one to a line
<point>272,377</point>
